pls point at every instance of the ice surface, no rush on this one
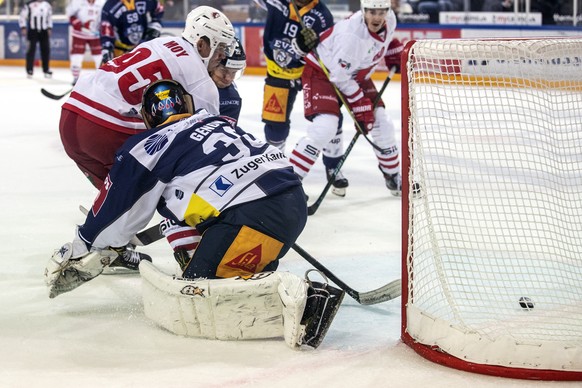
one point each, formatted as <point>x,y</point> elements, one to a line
<point>98,336</point>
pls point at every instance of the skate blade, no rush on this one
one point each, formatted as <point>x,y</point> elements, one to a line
<point>340,192</point>
<point>119,271</point>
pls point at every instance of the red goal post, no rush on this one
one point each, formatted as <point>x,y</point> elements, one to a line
<point>492,243</point>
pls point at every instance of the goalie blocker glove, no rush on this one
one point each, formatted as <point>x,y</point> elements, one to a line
<point>306,41</point>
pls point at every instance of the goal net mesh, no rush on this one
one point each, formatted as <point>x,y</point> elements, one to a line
<point>495,144</point>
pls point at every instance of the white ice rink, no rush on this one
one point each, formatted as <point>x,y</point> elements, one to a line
<point>98,336</point>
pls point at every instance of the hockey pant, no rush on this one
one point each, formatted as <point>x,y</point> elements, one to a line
<point>249,238</point>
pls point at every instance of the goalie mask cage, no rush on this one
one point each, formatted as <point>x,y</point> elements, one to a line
<point>492,134</point>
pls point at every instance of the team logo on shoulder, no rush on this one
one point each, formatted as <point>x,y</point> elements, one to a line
<point>221,185</point>
<point>155,143</point>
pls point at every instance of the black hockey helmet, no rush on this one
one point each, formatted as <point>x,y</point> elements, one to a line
<point>238,59</point>
<point>163,99</point>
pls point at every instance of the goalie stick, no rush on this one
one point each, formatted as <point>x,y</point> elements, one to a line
<point>52,96</point>
<point>313,207</point>
<point>385,293</point>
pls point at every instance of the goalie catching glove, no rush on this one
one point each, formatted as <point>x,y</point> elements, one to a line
<point>73,265</point>
<point>306,41</point>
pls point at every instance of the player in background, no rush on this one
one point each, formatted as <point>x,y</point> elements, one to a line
<point>84,16</point>
<point>127,23</point>
<point>285,45</point>
<point>103,110</point>
<point>351,50</point>
<point>230,69</point>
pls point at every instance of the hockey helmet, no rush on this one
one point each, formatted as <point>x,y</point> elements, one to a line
<point>163,99</point>
<point>375,4</point>
<point>238,59</point>
<point>214,25</point>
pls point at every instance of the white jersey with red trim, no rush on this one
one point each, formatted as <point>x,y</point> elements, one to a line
<point>350,51</point>
<point>111,96</point>
<point>85,17</point>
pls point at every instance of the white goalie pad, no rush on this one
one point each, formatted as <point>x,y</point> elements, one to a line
<point>226,309</point>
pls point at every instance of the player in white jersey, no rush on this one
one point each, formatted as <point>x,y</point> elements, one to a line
<point>102,111</point>
<point>103,108</point>
<point>350,51</point>
<point>84,16</point>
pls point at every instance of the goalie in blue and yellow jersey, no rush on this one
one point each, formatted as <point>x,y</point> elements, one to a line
<point>201,172</point>
<point>127,23</point>
<point>241,194</point>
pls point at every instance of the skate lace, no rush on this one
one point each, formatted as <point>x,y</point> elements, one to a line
<point>131,256</point>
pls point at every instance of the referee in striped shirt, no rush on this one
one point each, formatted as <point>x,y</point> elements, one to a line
<point>36,23</point>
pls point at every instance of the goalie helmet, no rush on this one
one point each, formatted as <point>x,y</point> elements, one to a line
<point>375,4</point>
<point>163,99</point>
<point>214,25</point>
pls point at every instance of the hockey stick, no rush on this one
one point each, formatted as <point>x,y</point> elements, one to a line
<point>337,91</point>
<point>48,94</point>
<point>385,293</point>
<point>313,207</point>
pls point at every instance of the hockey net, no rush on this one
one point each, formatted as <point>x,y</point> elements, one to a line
<point>492,134</point>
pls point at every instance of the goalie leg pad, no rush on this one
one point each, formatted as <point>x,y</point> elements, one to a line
<point>63,274</point>
<point>293,293</point>
<point>223,309</point>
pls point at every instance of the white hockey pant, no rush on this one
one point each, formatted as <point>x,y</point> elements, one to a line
<point>383,135</point>
<point>321,132</point>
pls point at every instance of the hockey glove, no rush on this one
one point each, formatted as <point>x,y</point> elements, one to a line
<point>364,113</point>
<point>151,33</point>
<point>306,41</point>
<point>183,239</point>
<point>72,265</point>
<point>76,23</point>
<point>106,56</point>
<point>393,54</point>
